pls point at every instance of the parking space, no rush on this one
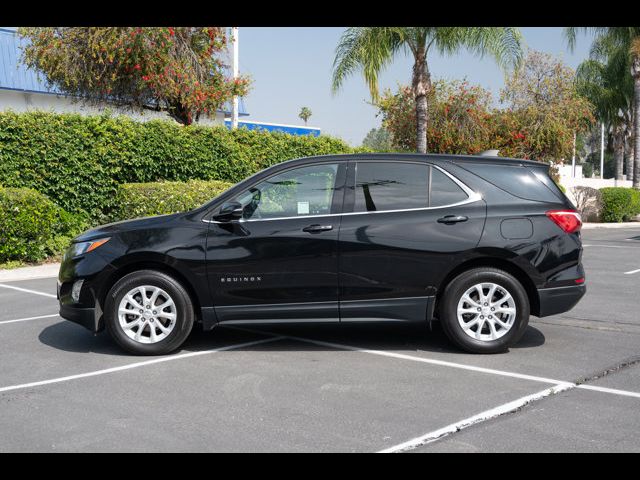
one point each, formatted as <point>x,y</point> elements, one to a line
<point>332,388</point>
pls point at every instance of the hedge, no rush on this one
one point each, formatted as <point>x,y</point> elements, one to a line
<point>146,199</point>
<point>619,204</point>
<point>79,161</point>
<point>32,227</point>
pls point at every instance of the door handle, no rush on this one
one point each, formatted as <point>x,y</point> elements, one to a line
<point>451,219</point>
<point>315,228</point>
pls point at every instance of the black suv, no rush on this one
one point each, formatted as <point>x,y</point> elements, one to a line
<point>478,243</point>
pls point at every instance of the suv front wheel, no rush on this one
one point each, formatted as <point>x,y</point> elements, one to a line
<point>148,313</point>
<point>484,310</point>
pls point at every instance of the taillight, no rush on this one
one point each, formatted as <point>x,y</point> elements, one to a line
<point>567,220</point>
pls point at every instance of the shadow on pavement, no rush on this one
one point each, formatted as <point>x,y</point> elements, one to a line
<point>387,337</point>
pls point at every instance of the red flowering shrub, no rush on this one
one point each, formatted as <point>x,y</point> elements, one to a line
<point>179,70</point>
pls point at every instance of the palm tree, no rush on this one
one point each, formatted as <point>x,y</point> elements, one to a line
<point>605,81</point>
<point>371,49</point>
<point>627,39</point>
<point>305,114</point>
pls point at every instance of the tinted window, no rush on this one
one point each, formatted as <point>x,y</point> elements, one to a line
<point>298,192</point>
<point>444,191</point>
<point>391,186</point>
<point>516,180</point>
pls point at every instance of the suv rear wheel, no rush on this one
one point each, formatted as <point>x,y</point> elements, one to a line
<point>148,312</point>
<point>484,310</point>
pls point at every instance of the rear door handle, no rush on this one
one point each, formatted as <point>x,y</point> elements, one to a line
<point>451,219</point>
<point>315,228</point>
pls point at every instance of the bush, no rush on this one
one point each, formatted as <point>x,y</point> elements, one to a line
<point>146,199</point>
<point>619,204</point>
<point>79,161</point>
<point>588,201</point>
<point>32,227</point>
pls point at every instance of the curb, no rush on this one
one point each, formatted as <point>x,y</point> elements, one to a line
<point>611,225</point>
<point>49,270</point>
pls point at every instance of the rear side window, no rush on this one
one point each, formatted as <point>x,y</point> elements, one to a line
<point>384,186</point>
<point>516,180</point>
<point>391,186</point>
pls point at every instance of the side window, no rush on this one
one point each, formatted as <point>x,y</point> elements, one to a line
<point>444,191</point>
<point>294,193</point>
<point>391,186</point>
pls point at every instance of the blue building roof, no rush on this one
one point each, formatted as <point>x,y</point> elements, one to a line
<point>14,75</point>
<point>276,127</point>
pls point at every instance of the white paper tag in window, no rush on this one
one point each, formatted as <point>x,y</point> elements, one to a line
<point>303,208</point>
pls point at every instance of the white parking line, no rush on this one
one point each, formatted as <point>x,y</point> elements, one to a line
<point>615,391</point>
<point>28,318</point>
<point>480,417</point>
<point>169,358</point>
<point>608,246</point>
<point>632,272</point>
<point>27,290</point>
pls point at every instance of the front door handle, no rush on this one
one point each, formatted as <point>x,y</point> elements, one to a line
<point>451,219</point>
<point>315,228</point>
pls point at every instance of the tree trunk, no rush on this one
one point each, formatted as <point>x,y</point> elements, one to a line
<point>635,71</point>
<point>421,84</point>
<point>618,151</point>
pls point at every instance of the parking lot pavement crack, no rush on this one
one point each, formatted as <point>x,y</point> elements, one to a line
<point>612,369</point>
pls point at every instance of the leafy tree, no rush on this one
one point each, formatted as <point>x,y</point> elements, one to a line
<point>604,79</point>
<point>305,114</point>
<point>543,111</point>
<point>178,70</point>
<point>627,40</point>
<point>460,118</point>
<point>378,139</point>
<point>544,108</point>
<point>371,49</point>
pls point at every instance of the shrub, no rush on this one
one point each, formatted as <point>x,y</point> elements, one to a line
<point>79,161</point>
<point>159,198</point>
<point>619,204</point>
<point>32,227</point>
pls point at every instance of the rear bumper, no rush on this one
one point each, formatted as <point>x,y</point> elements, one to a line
<point>560,299</point>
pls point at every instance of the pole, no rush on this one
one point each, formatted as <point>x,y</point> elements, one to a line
<point>234,110</point>
<point>573,158</point>
<point>602,152</point>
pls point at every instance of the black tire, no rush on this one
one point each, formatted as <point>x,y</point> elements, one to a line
<point>183,322</point>
<point>454,291</point>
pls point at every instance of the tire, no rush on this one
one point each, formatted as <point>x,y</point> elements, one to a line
<point>148,331</point>
<point>476,314</point>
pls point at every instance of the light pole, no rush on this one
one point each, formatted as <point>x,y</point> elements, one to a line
<point>234,108</point>
<point>602,152</point>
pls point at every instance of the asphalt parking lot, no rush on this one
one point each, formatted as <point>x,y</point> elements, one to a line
<point>571,384</point>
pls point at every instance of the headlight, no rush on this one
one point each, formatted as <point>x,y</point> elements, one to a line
<point>81,248</point>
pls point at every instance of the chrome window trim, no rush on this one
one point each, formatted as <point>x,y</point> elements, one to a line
<point>472,197</point>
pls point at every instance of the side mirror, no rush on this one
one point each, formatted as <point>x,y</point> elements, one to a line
<point>230,211</point>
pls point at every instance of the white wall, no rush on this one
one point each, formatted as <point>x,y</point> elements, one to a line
<point>24,101</point>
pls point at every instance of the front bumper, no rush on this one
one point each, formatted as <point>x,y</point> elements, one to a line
<point>559,299</point>
<point>82,316</point>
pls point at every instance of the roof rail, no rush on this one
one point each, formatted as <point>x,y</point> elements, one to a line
<point>489,153</point>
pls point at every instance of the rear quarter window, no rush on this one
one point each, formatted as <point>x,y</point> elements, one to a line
<point>519,181</point>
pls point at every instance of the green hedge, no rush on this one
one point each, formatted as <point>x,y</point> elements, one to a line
<point>32,227</point>
<point>146,199</point>
<point>79,161</point>
<point>619,204</point>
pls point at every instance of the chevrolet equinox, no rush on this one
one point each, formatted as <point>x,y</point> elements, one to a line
<point>478,243</point>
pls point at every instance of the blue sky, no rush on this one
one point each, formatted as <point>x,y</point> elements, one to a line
<point>291,67</point>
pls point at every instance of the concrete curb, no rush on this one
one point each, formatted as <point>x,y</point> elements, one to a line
<point>48,270</point>
<point>611,225</point>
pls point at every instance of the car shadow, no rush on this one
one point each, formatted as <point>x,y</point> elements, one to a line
<point>387,337</point>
